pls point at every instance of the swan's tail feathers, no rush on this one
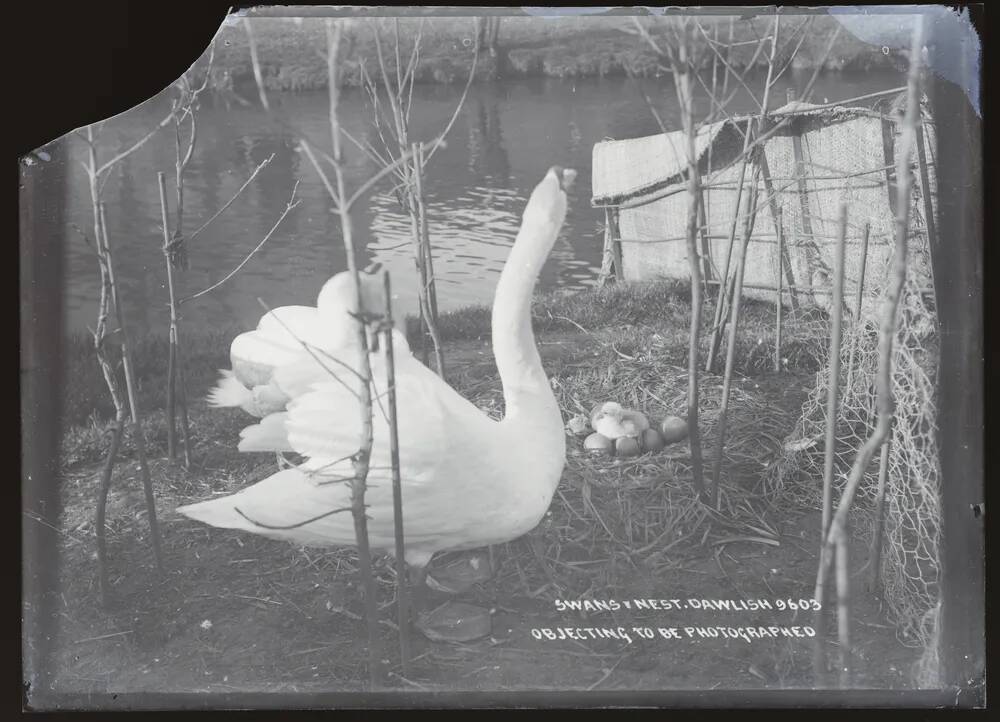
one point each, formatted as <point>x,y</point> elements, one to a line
<point>229,392</point>
<point>278,506</point>
<point>268,435</point>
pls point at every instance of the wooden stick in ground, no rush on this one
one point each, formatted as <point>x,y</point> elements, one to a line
<point>172,297</point>
<point>334,31</point>
<point>832,412</point>
<point>102,504</point>
<point>607,258</point>
<point>778,299</point>
<point>721,299</point>
<point>727,379</point>
<point>887,331</point>
<point>402,588</point>
<point>843,612</point>
<point>858,300</point>
<point>683,69</point>
<point>775,206</point>
<point>875,554</point>
<point>800,174</point>
<point>131,389</point>
<point>425,253</point>
<point>925,194</point>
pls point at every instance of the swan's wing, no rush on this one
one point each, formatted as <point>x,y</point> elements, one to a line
<point>324,423</point>
<point>268,435</point>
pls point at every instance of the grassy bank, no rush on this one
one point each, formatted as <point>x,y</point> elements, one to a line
<point>291,51</point>
<point>235,612</point>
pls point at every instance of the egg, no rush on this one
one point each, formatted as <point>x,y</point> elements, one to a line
<point>652,441</point>
<point>627,446</point>
<point>598,444</point>
<point>674,429</point>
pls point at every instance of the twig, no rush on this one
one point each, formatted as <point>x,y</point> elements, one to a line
<point>402,591</point>
<point>131,389</point>
<point>228,203</point>
<point>262,525</point>
<point>292,203</point>
<point>833,375</point>
<point>731,350</point>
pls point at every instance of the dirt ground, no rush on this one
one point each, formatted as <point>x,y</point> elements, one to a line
<point>232,612</point>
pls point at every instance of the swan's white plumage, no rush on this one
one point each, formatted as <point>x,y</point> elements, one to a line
<point>468,481</point>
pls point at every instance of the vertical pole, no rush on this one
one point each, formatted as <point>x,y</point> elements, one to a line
<point>616,246</point>
<point>833,379</point>
<point>800,175</point>
<point>875,572</point>
<point>403,593</point>
<point>721,299</point>
<point>832,404</point>
<point>133,401</point>
<point>778,297</point>
<point>607,257</point>
<point>775,206</point>
<point>172,351</point>
<point>858,300</point>
<point>720,442</point>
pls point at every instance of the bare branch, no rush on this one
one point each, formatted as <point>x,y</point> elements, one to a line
<point>403,158</point>
<point>291,526</point>
<point>219,212</point>
<point>292,203</point>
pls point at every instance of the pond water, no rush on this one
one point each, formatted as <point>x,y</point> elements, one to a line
<point>505,138</point>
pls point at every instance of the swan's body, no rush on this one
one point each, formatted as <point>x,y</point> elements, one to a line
<point>468,481</point>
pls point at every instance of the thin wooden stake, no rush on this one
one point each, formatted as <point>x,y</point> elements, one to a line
<point>875,555</point>
<point>775,207</point>
<point>427,288</point>
<point>133,401</point>
<point>833,378</point>
<point>843,611</point>
<point>858,300</point>
<point>608,269</point>
<point>721,299</point>
<point>778,298</point>
<point>727,379</point>
<point>402,588</point>
<point>800,174</point>
<point>172,352</point>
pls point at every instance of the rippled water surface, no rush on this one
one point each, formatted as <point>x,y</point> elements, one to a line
<point>503,141</point>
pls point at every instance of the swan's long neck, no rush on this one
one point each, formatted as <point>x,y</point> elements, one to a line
<point>527,395</point>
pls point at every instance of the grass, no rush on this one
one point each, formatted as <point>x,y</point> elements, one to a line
<point>568,48</point>
<point>280,617</point>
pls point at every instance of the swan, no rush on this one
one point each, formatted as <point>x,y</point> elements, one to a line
<point>468,480</point>
<point>296,334</point>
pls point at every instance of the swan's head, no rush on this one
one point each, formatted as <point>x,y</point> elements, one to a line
<point>339,295</point>
<point>547,205</point>
<point>338,300</point>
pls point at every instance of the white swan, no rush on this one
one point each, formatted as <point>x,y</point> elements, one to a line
<point>327,329</point>
<point>468,481</point>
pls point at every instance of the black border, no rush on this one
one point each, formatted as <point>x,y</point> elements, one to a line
<point>77,63</point>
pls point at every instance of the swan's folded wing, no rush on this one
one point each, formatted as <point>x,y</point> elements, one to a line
<point>268,435</point>
<point>325,423</point>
